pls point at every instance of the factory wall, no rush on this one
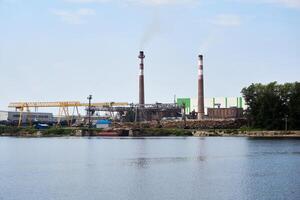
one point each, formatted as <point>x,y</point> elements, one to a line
<point>225,113</point>
<point>33,116</point>
<point>3,115</point>
<point>213,102</point>
<point>186,102</point>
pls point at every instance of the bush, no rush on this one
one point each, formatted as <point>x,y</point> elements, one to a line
<point>91,129</point>
<point>9,129</point>
<point>165,132</point>
<point>246,128</point>
<point>57,132</point>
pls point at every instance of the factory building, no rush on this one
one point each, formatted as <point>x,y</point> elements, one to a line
<point>191,104</point>
<point>27,117</point>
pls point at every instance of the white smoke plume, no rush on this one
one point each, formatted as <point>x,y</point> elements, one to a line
<point>151,31</point>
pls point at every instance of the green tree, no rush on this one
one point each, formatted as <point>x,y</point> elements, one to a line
<point>294,107</point>
<point>268,105</point>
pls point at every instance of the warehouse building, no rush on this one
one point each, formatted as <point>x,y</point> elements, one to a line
<point>27,117</point>
<point>191,104</point>
<point>225,113</point>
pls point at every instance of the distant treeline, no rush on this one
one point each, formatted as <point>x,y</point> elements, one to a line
<point>269,106</point>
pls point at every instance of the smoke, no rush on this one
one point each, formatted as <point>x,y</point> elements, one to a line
<point>215,36</point>
<point>210,40</point>
<point>152,30</point>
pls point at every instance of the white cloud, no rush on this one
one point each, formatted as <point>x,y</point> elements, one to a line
<point>285,3</point>
<point>227,20</point>
<point>86,1</point>
<point>144,2</point>
<point>290,3</point>
<point>162,2</point>
<point>74,17</point>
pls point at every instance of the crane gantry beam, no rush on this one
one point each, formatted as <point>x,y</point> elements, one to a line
<point>62,105</point>
<point>20,105</point>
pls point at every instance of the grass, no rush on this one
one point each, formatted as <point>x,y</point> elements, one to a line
<point>29,130</point>
<point>164,132</point>
<point>57,132</point>
<point>91,129</point>
<point>247,128</point>
<point>9,129</point>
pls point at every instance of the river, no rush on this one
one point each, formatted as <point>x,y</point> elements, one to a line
<point>179,168</point>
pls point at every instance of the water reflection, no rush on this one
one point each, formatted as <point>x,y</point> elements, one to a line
<point>271,168</point>
<point>149,168</point>
<point>146,162</point>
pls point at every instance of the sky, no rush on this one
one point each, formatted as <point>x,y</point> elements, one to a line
<point>64,50</point>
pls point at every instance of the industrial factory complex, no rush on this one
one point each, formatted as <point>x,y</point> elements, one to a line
<point>183,108</point>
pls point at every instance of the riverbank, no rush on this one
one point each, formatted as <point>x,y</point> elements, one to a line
<point>81,132</point>
<point>243,133</point>
<point>141,132</point>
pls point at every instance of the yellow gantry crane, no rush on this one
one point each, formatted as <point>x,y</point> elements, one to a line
<point>64,107</point>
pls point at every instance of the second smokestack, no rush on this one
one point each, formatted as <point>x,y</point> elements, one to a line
<point>200,88</point>
<point>141,80</point>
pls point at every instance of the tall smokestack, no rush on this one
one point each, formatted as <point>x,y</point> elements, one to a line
<point>141,81</point>
<point>200,89</point>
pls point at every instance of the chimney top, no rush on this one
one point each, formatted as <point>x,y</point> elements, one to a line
<point>141,55</point>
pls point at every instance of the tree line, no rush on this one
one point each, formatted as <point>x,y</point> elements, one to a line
<point>273,106</point>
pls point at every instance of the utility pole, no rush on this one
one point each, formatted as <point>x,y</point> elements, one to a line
<point>286,123</point>
<point>136,117</point>
<point>175,99</point>
<point>89,110</point>
<point>184,115</point>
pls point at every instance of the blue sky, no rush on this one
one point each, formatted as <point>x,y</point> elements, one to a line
<point>63,50</point>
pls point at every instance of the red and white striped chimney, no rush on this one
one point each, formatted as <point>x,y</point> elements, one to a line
<point>141,80</point>
<point>200,89</point>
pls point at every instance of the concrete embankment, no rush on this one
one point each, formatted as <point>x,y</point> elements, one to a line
<point>240,133</point>
<point>143,130</point>
<point>81,132</point>
<point>189,124</point>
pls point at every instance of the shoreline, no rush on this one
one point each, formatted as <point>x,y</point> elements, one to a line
<point>146,132</point>
<point>251,133</point>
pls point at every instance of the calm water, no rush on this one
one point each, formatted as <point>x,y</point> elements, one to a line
<point>151,168</point>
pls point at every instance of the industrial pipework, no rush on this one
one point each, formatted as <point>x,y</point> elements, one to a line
<point>200,89</point>
<point>141,80</point>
